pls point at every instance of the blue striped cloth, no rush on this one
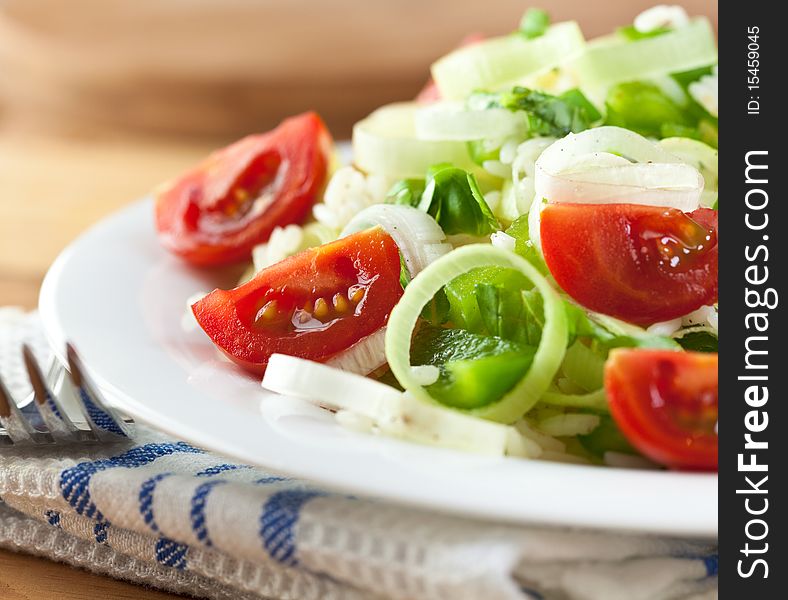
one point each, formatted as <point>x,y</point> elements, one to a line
<point>162,512</point>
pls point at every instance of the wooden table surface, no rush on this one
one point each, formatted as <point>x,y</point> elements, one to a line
<point>50,191</point>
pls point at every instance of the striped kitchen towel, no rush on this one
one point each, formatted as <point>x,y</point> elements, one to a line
<point>161,512</point>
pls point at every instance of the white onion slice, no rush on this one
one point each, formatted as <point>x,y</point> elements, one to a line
<point>568,425</point>
<point>385,144</point>
<point>292,376</point>
<point>364,356</point>
<point>609,165</point>
<point>418,236</point>
<point>392,412</point>
<point>503,240</point>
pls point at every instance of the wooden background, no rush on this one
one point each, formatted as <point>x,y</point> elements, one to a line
<point>102,99</point>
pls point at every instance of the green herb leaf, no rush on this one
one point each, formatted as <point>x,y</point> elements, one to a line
<point>483,150</point>
<point>557,116</point>
<point>533,321</point>
<point>581,325</point>
<point>452,197</point>
<point>606,437</point>
<point>436,311</point>
<point>500,309</point>
<point>404,274</point>
<point>534,23</point>
<point>463,299</point>
<point>406,192</point>
<point>523,244</point>
<point>699,341</point>
<point>708,131</point>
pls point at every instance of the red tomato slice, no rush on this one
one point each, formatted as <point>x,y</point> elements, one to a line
<point>643,264</point>
<point>217,212</point>
<point>312,305</point>
<point>665,403</point>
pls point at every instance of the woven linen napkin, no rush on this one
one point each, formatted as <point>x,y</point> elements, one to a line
<point>161,512</point>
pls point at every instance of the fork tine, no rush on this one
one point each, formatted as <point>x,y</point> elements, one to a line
<point>16,426</point>
<point>49,408</point>
<point>103,420</point>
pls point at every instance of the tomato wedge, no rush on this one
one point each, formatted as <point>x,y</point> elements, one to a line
<point>218,211</point>
<point>313,305</point>
<point>642,264</point>
<point>665,403</point>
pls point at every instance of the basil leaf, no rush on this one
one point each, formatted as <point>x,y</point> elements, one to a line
<point>581,325</point>
<point>534,23</point>
<point>500,309</point>
<point>606,437</point>
<point>533,317</point>
<point>699,341</point>
<point>436,311</point>
<point>483,150</point>
<point>552,115</point>
<point>404,274</point>
<point>462,295</point>
<point>406,192</point>
<point>523,245</point>
<point>452,197</point>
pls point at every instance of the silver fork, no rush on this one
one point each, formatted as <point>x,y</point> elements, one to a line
<point>43,420</point>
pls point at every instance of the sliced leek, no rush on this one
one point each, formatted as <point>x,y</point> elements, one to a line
<point>613,59</point>
<point>385,143</point>
<point>454,121</point>
<point>422,289</point>
<point>499,62</point>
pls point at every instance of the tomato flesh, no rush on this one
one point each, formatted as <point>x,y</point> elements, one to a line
<point>218,211</point>
<point>643,264</point>
<point>666,404</point>
<point>312,305</point>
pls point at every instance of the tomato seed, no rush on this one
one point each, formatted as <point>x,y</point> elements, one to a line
<point>321,308</point>
<point>269,311</point>
<point>340,303</point>
<point>356,294</point>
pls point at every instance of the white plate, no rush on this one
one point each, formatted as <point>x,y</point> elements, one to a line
<point>120,298</point>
